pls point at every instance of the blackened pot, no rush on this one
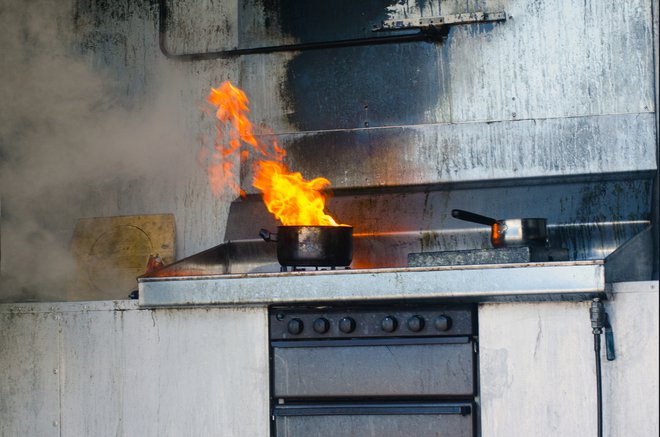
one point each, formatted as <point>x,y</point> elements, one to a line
<point>312,246</point>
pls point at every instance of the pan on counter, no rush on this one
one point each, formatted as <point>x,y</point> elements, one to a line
<point>312,246</point>
<point>510,232</point>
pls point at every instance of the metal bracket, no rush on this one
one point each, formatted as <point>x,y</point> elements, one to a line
<point>437,22</point>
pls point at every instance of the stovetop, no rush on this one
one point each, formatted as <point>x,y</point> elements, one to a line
<point>567,280</point>
<point>252,257</point>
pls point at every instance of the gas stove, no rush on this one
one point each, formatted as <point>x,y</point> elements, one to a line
<point>406,246</point>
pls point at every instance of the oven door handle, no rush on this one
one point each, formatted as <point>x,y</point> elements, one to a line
<point>343,409</point>
<point>383,341</point>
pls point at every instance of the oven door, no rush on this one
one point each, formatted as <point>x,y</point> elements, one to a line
<point>383,367</point>
<point>374,419</point>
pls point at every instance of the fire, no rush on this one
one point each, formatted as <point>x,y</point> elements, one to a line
<point>232,104</point>
<point>290,198</point>
<point>287,195</point>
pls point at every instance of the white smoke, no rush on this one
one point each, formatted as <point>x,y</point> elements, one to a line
<point>68,146</point>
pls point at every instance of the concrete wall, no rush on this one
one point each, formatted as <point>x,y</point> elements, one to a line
<point>538,367</point>
<point>111,369</point>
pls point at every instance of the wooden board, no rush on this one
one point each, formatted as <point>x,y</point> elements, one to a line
<point>112,252</point>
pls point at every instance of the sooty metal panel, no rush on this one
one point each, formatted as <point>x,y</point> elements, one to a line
<point>376,370</point>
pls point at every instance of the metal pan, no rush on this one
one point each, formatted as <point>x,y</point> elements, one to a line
<point>510,232</point>
<point>312,246</point>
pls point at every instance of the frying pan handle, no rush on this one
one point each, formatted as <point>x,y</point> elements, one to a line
<point>267,235</point>
<point>472,217</point>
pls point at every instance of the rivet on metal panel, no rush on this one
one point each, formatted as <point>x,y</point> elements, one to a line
<point>56,423</point>
<point>55,371</point>
<point>513,114</point>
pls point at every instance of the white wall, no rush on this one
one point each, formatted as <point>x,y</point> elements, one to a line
<point>111,369</point>
<point>538,367</point>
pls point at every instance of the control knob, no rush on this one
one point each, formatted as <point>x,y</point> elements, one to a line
<point>295,326</point>
<point>416,323</point>
<point>389,324</point>
<point>321,325</point>
<point>347,325</point>
<point>442,323</point>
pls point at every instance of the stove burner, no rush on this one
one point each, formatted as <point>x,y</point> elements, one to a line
<point>285,269</point>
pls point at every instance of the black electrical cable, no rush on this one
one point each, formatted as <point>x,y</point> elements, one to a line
<point>599,385</point>
<point>598,317</point>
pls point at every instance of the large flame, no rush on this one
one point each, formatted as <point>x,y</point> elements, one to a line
<point>293,200</point>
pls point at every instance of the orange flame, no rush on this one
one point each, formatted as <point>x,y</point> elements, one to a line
<point>293,200</point>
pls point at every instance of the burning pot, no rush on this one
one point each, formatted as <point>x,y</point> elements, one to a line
<point>312,246</point>
<point>510,232</point>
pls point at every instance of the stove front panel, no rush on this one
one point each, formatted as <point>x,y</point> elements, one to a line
<point>374,321</point>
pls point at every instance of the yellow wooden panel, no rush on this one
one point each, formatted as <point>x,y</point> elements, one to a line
<point>112,252</point>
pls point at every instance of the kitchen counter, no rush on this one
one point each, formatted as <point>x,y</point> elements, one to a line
<point>548,281</point>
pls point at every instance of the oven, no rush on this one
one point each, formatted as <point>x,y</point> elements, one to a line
<point>377,370</point>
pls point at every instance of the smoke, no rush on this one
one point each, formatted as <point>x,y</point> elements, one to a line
<point>68,144</point>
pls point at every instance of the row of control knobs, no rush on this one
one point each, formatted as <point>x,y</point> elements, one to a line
<point>390,324</point>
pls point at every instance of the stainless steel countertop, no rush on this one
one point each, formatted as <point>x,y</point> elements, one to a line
<point>554,281</point>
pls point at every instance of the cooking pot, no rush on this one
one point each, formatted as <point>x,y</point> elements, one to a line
<point>510,232</point>
<point>312,246</point>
